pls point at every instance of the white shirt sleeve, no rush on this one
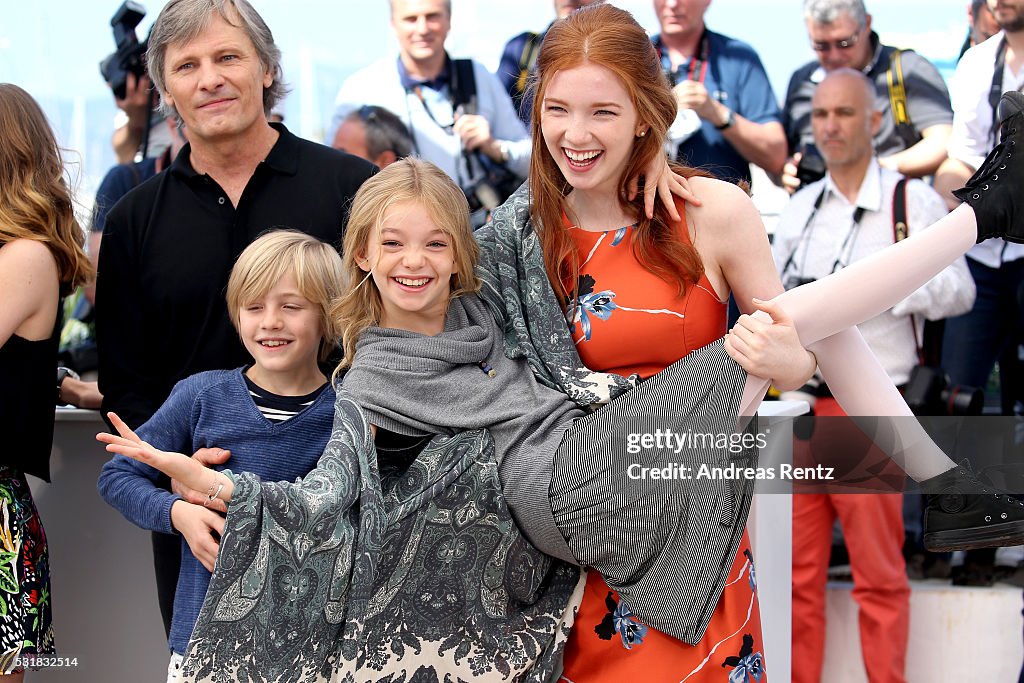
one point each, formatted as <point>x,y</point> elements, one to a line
<point>972,114</point>
<point>952,291</point>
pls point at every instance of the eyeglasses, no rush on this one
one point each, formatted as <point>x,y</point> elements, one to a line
<point>825,46</point>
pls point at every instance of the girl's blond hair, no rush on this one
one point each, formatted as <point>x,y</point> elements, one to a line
<point>315,266</point>
<point>407,180</point>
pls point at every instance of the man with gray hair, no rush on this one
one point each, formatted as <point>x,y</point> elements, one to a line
<point>910,93</point>
<point>169,244</point>
<point>375,134</point>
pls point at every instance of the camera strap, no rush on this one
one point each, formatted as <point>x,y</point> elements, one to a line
<point>845,248</point>
<point>461,93</point>
<point>803,232</point>
<point>899,233</point>
<point>696,67</point>
<point>527,59</point>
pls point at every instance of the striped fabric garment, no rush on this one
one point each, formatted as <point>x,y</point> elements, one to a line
<point>649,537</point>
<point>279,409</point>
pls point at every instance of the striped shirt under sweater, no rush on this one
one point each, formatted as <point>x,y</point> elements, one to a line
<point>206,410</point>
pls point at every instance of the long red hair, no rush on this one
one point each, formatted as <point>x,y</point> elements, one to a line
<point>610,37</point>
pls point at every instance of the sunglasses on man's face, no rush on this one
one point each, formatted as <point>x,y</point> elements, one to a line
<point>825,46</point>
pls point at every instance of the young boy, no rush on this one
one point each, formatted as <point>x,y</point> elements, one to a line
<point>274,416</point>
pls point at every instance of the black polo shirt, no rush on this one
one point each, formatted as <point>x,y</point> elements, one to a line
<point>168,248</point>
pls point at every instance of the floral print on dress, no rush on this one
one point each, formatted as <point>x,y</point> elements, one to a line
<point>620,620</point>
<point>591,303</point>
<point>599,304</point>
<point>753,579</point>
<point>748,666</point>
<point>25,614</point>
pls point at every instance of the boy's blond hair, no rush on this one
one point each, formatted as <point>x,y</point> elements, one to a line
<point>315,266</point>
<point>405,180</point>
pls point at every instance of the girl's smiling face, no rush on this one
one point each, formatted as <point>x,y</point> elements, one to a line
<point>412,262</point>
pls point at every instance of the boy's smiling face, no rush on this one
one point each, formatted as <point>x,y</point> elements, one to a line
<point>281,331</point>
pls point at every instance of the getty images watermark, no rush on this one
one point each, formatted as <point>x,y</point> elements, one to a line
<point>667,440</point>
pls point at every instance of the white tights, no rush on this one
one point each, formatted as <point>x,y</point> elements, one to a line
<point>825,311</point>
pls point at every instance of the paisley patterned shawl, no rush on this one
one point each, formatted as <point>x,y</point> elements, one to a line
<point>342,576</point>
<point>517,290</point>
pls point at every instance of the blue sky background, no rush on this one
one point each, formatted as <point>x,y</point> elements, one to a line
<point>52,49</point>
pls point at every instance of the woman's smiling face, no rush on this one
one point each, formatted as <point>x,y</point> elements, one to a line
<point>589,125</point>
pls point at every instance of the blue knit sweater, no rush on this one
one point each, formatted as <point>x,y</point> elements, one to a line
<point>212,409</point>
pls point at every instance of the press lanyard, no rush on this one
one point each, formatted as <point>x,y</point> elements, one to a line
<point>697,69</point>
<point>805,234</point>
<point>449,129</point>
<point>417,91</point>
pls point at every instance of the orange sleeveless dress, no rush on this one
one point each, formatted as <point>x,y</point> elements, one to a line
<point>629,321</point>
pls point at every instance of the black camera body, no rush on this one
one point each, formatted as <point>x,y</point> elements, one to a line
<point>492,188</point>
<point>929,391</point>
<point>811,168</point>
<point>130,54</point>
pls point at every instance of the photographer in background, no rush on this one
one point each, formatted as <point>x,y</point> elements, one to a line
<point>909,91</point>
<point>728,116</point>
<point>826,226</point>
<point>458,113</point>
<point>137,129</point>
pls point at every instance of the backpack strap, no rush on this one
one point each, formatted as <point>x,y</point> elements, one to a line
<point>929,347</point>
<point>463,86</point>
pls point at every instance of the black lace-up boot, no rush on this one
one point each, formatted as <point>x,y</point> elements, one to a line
<point>996,191</point>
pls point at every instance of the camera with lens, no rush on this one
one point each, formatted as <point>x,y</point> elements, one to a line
<point>130,54</point>
<point>811,168</point>
<point>929,391</point>
<point>493,187</point>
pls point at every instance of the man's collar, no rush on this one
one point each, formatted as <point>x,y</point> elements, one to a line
<point>869,197</point>
<point>876,54</point>
<point>283,156</point>
<point>441,81</point>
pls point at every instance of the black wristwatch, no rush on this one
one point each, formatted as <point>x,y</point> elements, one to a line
<point>730,118</point>
<point>62,374</point>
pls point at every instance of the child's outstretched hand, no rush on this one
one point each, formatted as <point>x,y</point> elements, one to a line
<point>175,465</point>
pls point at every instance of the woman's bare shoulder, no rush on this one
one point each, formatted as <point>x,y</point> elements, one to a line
<point>726,212</point>
<point>28,269</point>
<point>27,254</point>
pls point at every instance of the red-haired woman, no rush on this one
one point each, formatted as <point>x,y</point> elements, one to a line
<point>643,293</point>
<point>41,258</point>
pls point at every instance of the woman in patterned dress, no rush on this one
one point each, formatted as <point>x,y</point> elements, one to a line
<point>41,259</point>
<point>642,292</point>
